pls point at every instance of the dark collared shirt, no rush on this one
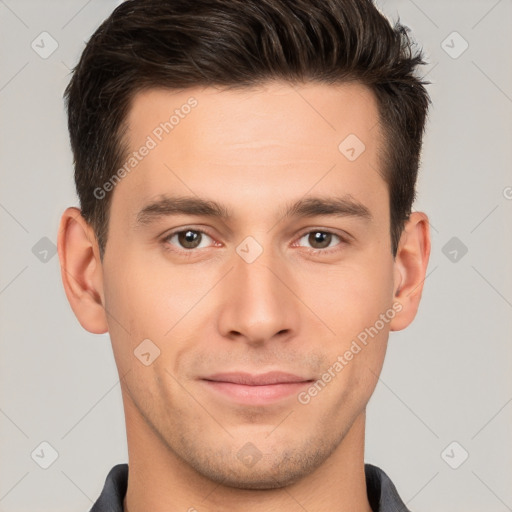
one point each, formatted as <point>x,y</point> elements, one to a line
<point>382,494</point>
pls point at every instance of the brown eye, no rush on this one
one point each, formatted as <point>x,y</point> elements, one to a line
<point>319,239</point>
<point>188,239</point>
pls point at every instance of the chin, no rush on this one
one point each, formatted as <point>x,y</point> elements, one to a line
<point>260,480</point>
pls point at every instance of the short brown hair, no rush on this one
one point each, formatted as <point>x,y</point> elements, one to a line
<point>177,44</point>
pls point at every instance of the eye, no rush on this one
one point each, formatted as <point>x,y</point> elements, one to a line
<point>188,239</point>
<point>320,240</point>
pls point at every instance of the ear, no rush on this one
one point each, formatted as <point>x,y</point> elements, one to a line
<point>81,271</point>
<point>410,268</point>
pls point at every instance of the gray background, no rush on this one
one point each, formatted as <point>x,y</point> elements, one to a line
<point>446,378</point>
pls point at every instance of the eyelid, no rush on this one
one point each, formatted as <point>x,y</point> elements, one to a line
<point>344,240</point>
<point>342,235</point>
<point>165,239</point>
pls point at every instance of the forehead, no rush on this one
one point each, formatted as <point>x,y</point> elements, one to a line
<point>251,117</point>
<point>272,140</point>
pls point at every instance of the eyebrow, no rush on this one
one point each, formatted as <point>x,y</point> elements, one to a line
<point>165,206</point>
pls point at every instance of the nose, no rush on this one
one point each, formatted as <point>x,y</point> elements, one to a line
<point>257,302</point>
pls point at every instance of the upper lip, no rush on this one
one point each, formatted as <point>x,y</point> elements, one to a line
<point>256,380</point>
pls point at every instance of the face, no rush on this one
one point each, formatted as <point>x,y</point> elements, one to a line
<point>204,309</point>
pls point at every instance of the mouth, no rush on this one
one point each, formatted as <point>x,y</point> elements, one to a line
<point>250,389</point>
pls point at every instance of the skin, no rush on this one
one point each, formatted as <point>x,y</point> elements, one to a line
<point>293,309</point>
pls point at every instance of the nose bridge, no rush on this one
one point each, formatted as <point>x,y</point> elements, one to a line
<point>256,305</point>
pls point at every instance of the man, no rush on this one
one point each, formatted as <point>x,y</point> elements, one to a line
<point>246,171</point>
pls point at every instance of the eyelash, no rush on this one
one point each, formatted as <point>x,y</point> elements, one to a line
<point>187,253</point>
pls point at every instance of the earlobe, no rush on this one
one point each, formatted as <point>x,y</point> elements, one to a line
<point>81,271</point>
<point>410,269</point>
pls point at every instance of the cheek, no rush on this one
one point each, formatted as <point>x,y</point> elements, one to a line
<point>352,305</point>
<point>145,291</point>
<point>349,297</point>
<point>147,298</point>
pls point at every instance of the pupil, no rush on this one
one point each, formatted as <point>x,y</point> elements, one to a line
<point>320,237</point>
<point>189,239</point>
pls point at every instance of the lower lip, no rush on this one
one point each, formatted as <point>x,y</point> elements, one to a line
<point>256,395</point>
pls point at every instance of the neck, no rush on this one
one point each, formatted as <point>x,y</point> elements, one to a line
<point>159,480</point>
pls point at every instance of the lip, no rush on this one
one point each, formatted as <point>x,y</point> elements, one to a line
<point>252,389</point>
<point>262,379</point>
